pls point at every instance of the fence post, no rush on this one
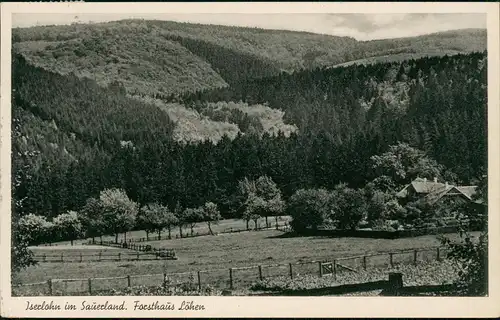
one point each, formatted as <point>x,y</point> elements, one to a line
<point>231,278</point>
<point>128,281</point>
<point>137,255</point>
<point>62,257</point>
<point>438,258</point>
<point>415,253</point>
<point>49,283</point>
<point>199,281</point>
<point>320,265</point>
<point>164,281</point>
<point>81,257</point>
<point>119,256</point>
<point>395,283</point>
<point>90,285</point>
<point>260,273</point>
<point>391,259</point>
<point>364,262</point>
<point>44,257</point>
<point>335,269</point>
<point>291,270</point>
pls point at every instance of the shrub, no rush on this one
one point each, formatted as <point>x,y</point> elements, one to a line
<point>349,206</point>
<point>309,208</point>
<point>471,259</point>
<point>383,225</point>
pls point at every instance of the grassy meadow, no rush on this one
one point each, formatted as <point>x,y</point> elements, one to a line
<point>221,252</point>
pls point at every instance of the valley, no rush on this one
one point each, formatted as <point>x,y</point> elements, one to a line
<point>139,127</point>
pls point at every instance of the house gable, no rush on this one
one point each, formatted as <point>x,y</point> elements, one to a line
<point>434,191</point>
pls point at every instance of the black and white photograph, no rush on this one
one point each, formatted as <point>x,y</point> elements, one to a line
<point>247,155</point>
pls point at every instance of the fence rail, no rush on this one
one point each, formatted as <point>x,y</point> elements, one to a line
<point>163,252</point>
<point>241,276</point>
<point>142,252</point>
<point>99,257</point>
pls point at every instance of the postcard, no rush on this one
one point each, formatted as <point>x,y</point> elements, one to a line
<point>250,159</point>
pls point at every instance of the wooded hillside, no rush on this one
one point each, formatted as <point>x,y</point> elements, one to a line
<point>162,57</point>
<point>343,115</point>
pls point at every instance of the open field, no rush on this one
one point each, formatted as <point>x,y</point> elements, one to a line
<point>219,253</point>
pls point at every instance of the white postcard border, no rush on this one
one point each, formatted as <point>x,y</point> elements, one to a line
<point>265,306</point>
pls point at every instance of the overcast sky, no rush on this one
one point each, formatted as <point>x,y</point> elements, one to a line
<point>359,26</point>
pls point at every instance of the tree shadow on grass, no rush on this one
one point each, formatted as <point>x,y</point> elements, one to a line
<point>289,235</point>
<point>332,235</point>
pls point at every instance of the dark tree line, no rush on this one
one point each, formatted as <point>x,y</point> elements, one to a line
<point>437,104</point>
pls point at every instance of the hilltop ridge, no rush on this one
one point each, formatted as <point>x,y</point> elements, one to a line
<point>199,57</point>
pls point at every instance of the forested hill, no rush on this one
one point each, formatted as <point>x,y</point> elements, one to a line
<point>427,102</point>
<point>159,58</point>
<point>331,120</point>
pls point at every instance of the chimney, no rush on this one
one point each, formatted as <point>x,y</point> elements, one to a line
<point>446,184</point>
<point>425,179</point>
<point>435,179</point>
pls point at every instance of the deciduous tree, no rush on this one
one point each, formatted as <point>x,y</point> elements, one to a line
<point>91,216</point>
<point>403,163</point>
<point>211,215</point>
<point>154,217</point>
<point>119,211</point>
<point>471,255</point>
<point>349,206</point>
<point>193,216</point>
<point>68,226</point>
<point>309,208</point>
<point>36,229</point>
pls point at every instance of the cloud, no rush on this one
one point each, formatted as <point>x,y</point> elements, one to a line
<point>359,26</point>
<point>379,26</point>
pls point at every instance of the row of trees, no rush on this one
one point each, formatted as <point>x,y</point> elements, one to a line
<point>114,213</point>
<point>347,209</point>
<point>343,207</point>
<point>156,218</point>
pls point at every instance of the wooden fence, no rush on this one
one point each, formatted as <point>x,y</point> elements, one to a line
<point>142,252</point>
<point>99,257</point>
<point>237,276</point>
<point>164,253</point>
<point>393,286</point>
<point>473,225</point>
